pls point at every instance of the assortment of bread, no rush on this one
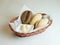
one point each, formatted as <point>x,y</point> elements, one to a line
<point>37,19</point>
<point>32,24</point>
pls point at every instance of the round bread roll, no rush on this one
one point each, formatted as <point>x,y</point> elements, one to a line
<point>26,17</point>
<point>35,18</point>
<point>42,22</point>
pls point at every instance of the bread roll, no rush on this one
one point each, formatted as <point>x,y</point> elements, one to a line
<point>25,28</point>
<point>26,17</point>
<point>35,18</point>
<point>42,22</point>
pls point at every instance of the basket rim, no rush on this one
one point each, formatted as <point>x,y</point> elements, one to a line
<point>15,18</point>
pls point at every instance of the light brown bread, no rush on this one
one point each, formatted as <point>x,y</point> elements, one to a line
<point>35,18</point>
<point>42,22</point>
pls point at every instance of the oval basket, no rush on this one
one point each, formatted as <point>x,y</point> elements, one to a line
<point>29,34</point>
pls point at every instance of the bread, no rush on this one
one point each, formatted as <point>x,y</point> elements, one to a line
<point>42,22</point>
<point>25,28</point>
<point>35,18</point>
<point>26,17</point>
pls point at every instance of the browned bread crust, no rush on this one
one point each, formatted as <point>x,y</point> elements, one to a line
<point>26,17</point>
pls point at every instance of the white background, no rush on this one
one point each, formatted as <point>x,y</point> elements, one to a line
<point>11,8</point>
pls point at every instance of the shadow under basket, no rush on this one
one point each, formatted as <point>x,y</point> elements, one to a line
<point>28,34</point>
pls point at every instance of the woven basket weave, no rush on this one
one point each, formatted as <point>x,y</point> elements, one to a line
<point>28,34</point>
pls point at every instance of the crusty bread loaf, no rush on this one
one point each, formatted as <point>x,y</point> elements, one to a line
<point>35,18</point>
<point>42,22</point>
<point>26,17</point>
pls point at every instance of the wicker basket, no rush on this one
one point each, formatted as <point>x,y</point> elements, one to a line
<point>29,34</point>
